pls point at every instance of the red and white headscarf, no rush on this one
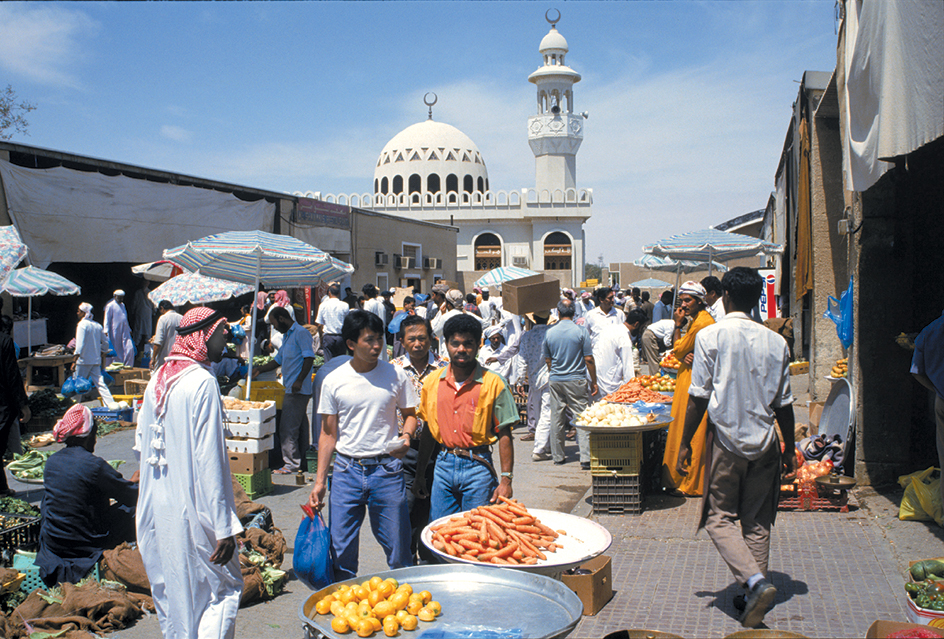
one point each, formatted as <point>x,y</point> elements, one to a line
<point>261,298</point>
<point>77,422</point>
<point>190,349</point>
<point>282,299</point>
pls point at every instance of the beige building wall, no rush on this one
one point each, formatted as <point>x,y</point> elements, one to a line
<point>379,240</point>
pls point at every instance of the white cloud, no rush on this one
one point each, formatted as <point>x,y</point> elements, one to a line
<point>176,133</point>
<point>42,42</point>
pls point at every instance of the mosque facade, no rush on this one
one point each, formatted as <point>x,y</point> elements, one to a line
<point>434,172</point>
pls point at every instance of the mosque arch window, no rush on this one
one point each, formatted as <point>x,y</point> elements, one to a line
<point>481,184</point>
<point>558,251</point>
<point>384,185</point>
<point>416,183</point>
<point>452,183</point>
<point>487,252</point>
<point>397,184</point>
<point>468,184</point>
<point>376,186</point>
<point>432,183</point>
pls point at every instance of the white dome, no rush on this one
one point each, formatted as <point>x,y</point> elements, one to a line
<point>553,41</point>
<point>428,149</point>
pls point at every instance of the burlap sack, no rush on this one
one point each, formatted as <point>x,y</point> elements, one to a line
<point>88,608</point>
<point>244,507</point>
<point>272,545</point>
<point>124,565</point>
<point>253,588</point>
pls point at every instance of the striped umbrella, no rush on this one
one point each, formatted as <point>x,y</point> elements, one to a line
<point>31,282</point>
<point>159,271</point>
<point>12,250</point>
<point>251,257</point>
<point>193,288</point>
<point>650,283</point>
<point>654,263</point>
<point>711,244</point>
<point>496,276</point>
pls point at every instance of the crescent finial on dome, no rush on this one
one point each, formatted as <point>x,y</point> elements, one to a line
<point>430,103</point>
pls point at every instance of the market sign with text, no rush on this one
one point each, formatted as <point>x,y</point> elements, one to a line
<point>320,213</point>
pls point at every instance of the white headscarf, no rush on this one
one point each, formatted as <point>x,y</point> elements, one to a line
<point>694,289</point>
<point>492,330</point>
<point>86,308</point>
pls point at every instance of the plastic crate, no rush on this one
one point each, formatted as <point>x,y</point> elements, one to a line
<point>21,535</point>
<point>616,454</point>
<point>311,460</point>
<point>257,484</point>
<point>252,415</point>
<point>24,562</point>
<point>238,445</point>
<point>267,391</point>
<point>617,494</point>
<point>109,415</point>
<point>253,430</point>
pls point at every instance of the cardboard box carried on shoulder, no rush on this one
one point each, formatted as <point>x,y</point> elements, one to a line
<point>539,292</point>
<point>596,589</point>
<point>248,463</point>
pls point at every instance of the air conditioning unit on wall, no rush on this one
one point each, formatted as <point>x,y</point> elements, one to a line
<point>404,262</point>
<point>432,263</point>
<point>520,260</point>
<point>381,259</point>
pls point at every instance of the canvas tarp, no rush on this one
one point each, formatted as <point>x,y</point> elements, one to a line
<point>65,215</point>
<point>891,83</point>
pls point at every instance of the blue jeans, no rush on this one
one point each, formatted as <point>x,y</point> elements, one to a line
<point>460,484</point>
<point>377,485</point>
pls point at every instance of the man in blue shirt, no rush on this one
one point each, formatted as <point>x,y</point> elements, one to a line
<point>296,357</point>
<point>663,308</point>
<point>928,368</point>
<point>569,357</point>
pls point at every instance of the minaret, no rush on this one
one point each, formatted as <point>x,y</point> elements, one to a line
<point>556,132</point>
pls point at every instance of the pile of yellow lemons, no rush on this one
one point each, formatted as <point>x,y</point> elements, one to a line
<point>377,604</point>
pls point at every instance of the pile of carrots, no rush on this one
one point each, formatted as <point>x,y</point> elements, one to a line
<point>505,533</point>
<point>633,391</point>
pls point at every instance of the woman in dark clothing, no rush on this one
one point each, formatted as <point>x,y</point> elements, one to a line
<point>78,522</point>
<point>13,401</point>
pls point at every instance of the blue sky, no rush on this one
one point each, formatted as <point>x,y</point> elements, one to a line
<point>689,102</point>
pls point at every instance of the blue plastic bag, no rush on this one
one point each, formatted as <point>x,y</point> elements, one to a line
<point>68,389</point>
<point>394,326</point>
<point>840,312</point>
<point>238,333</point>
<point>82,385</point>
<point>312,560</point>
<point>109,380</point>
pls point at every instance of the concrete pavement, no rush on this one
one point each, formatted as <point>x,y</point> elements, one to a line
<point>835,572</point>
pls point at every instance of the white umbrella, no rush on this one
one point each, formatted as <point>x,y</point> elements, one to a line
<point>159,271</point>
<point>711,244</point>
<point>252,257</point>
<point>193,288</point>
<point>497,276</point>
<point>30,282</point>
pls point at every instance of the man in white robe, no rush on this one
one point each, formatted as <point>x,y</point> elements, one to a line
<point>90,348</point>
<point>118,330</point>
<point>186,516</point>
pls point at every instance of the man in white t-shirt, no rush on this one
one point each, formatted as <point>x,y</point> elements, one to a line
<point>613,354</point>
<point>713,293</point>
<point>605,314</point>
<point>657,335</point>
<point>331,314</point>
<point>358,407</point>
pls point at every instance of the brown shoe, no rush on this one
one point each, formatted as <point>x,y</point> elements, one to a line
<point>527,437</point>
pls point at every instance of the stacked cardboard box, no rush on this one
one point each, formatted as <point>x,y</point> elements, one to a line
<point>249,437</point>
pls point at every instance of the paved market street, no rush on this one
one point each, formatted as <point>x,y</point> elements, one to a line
<point>835,572</point>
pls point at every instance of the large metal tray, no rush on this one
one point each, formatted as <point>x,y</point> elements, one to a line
<point>475,601</point>
<point>624,429</point>
<point>584,540</point>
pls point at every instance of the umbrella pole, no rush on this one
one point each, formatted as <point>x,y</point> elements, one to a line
<point>29,326</point>
<point>252,338</point>
<point>678,280</point>
<point>709,260</point>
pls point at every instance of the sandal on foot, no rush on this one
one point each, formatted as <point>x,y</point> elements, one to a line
<point>527,437</point>
<point>283,471</point>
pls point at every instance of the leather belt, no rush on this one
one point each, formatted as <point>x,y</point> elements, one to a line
<point>366,461</point>
<point>468,454</point>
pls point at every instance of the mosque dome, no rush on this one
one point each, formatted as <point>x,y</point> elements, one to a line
<point>430,158</point>
<point>553,41</point>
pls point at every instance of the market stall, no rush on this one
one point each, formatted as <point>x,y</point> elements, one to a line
<point>627,437</point>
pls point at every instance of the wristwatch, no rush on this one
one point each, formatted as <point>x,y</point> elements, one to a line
<point>510,476</point>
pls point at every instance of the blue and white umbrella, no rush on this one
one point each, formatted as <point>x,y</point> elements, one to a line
<point>12,250</point>
<point>650,283</point>
<point>711,244</point>
<point>497,276</point>
<point>251,257</point>
<point>32,282</point>
<point>193,288</point>
<point>654,263</point>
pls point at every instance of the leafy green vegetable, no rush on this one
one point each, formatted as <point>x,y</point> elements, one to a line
<point>16,506</point>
